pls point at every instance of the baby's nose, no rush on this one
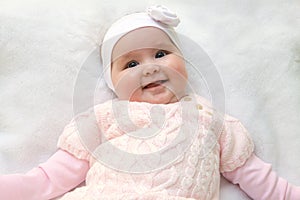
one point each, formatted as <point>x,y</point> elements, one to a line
<point>150,69</point>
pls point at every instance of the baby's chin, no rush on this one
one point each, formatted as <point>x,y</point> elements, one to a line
<point>157,99</point>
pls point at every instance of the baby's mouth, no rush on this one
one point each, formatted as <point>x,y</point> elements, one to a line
<point>154,84</point>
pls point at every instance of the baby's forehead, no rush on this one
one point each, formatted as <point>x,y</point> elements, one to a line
<point>143,38</point>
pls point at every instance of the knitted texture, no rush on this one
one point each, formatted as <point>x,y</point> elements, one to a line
<point>194,174</point>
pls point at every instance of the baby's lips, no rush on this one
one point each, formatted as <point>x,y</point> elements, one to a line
<point>154,84</point>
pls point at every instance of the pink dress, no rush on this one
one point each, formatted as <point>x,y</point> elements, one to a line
<point>192,173</point>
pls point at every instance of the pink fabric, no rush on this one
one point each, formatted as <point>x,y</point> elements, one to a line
<point>58,175</point>
<point>195,174</point>
<point>190,177</point>
<point>258,180</point>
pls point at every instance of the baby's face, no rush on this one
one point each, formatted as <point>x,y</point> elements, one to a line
<point>147,67</point>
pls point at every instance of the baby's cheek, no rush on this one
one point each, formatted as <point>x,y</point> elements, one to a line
<point>180,71</point>
<point>127,86</point>
<point>179,66</point>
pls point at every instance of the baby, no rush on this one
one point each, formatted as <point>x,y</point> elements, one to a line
<point>155,141</point>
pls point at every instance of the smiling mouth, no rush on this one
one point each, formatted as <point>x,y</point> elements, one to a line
<point>154,84</point>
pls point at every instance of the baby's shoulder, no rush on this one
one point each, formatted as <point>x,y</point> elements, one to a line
<point>207,106</point>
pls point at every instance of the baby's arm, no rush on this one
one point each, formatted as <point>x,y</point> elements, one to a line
<point>58,175</point>
<point>258,180</point>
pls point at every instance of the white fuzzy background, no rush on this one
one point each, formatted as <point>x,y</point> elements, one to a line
<point>255,45</point>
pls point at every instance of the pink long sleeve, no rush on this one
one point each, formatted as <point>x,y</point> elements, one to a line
<point>258,180</point>
<point>59,174</point>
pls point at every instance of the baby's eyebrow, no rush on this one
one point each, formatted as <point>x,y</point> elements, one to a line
<point>131,55</point>
<point>123,57</point>
<point>126,56</point>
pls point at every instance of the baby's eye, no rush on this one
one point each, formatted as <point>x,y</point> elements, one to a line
<point>132,63</point>
<point>160,54</point>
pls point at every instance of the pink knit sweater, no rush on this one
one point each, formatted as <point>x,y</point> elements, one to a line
<point>193,174</point>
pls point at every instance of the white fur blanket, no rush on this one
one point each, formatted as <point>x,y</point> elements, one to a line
<point>255,45</point>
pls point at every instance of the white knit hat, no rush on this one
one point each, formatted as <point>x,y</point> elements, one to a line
<point>155,16</point>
